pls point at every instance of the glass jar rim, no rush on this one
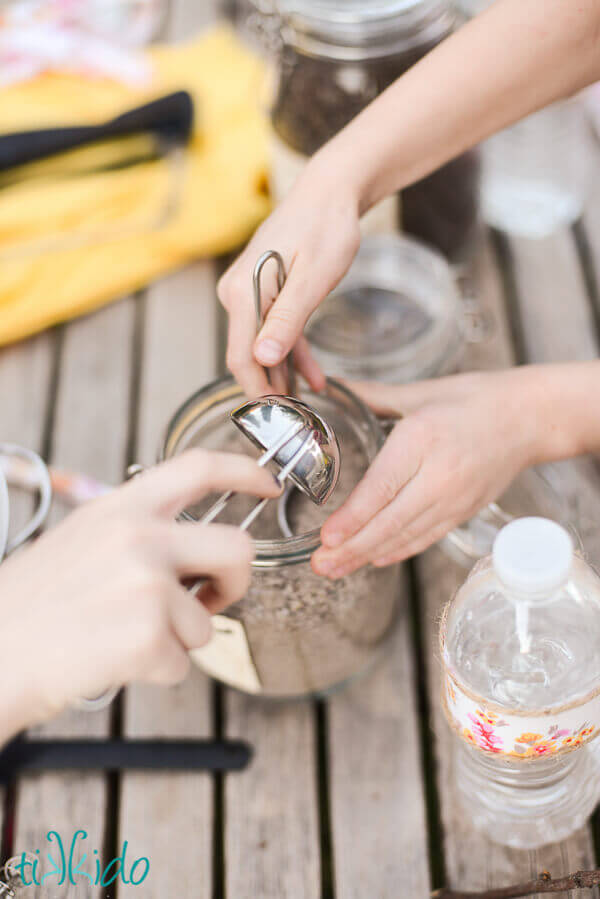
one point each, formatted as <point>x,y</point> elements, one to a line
<point>280,551</point>
<point>361,30</point>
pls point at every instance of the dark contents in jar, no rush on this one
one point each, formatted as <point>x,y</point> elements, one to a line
<point>317,97</point>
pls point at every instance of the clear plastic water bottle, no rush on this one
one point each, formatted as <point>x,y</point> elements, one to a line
<point>520,646</point>
<point>535,173</point>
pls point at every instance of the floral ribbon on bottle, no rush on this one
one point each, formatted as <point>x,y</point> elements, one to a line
<point>523,734</point>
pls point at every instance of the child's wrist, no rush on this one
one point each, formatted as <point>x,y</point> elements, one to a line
<point>339,170</point>
<point>557,398</point>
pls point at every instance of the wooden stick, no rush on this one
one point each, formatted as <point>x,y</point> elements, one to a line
<point>580,880</point>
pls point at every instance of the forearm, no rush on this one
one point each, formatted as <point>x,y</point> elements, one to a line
<point>513,59</point>
<point>564,401</point>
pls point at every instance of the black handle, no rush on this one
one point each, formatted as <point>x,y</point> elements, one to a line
<point>170,117</point>
<point>22,756</point>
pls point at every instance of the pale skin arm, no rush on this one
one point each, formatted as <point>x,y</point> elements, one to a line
<point>462,441</point>
<point>98,601</point>
<point>513,59</point>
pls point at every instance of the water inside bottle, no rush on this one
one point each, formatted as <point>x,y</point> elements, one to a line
<point>527,655</point>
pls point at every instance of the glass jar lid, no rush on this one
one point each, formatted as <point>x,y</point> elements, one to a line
<point>353,23</point>
<point>396,316</point>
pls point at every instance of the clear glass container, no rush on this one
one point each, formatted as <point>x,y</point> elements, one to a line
<point>334,58</point>
<point>536,491</point>
<point>294,633</point>
<point>535,173</point>
<point>519,645</point>
<point>396,316</point>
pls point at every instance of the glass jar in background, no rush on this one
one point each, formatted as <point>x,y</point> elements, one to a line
<point>333,59</point>
<point>396,316</point>
<point>535,173</point>
<point>294,633</point>
<point>541,491</point>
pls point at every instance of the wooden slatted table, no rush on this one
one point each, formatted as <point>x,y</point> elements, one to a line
<point>350,798</point>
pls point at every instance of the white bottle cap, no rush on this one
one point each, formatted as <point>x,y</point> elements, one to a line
<point>533,555</point>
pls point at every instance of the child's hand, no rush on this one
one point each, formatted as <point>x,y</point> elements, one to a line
<point>462,441</point>
<point>98,601</point>
<point>316,231</point>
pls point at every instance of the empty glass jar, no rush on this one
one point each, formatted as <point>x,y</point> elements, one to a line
<point>294,633</point>
<point>396,316</point>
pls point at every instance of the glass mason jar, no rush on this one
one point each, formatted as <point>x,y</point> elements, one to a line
<point>333,60</point>
<point>294,633</point>
<point>541,492</point>
<point>396,316</point>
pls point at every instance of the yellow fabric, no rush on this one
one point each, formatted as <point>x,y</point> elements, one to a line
<point>221,200</point>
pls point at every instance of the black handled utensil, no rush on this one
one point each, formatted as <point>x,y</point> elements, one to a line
<point>169,118</point>
<point>23,756</point>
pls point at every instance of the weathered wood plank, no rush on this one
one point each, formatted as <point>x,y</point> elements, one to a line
<point>377,796</point>
<point>90,434</point>
<point>278,853</point>
<point>558,324</point>
<point>271,837</point>
<point>171,814</point>
<point>473,861</point>
<point>556,316</point>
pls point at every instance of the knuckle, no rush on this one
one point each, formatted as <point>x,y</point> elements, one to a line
<point>148,587</point>
<point>152,631</point>
<point>351,240</point>
<point>136,538</point>
<point>236,360</point>
<point>177,670</point>
<point>408,532</point>
<point>281,315</point>
<point>385,487</point>
<point>242,548</point>
<point>229,287</point>
<point>198,461</point>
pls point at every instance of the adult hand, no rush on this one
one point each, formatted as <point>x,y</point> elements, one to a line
<point>461,441</point>
<point>316,231</point>
<point>98,601</point>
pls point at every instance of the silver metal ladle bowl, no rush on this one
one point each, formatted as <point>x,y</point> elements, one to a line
<point>264,421</point>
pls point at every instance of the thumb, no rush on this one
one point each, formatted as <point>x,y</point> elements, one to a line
<point>286,318</point>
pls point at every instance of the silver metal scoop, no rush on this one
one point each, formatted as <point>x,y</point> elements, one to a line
<point>266,420</point>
